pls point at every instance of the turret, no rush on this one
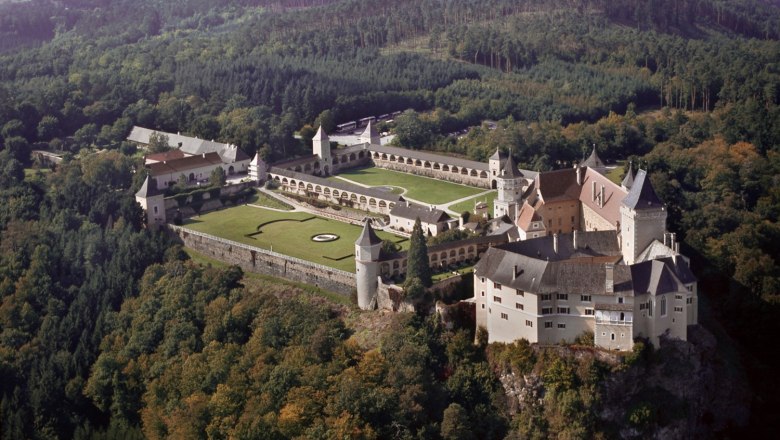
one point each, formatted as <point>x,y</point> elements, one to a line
<point>594,161</point>
<point>258,169</point>
<point>628,181</point>
<point>321,149</point>
<point>369,135</point>
<point>153,202</point>
<point>510,186</point>
<point>494,165</point>
<point>642,218</point>
<point>367,250</point>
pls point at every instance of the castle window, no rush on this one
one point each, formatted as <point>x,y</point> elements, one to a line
<point>678,309</point>
<point>483,293</point>
<point>483,279</point>
<point>688,300</point>
<point>520,292</point>
<point>613,336</point>
<point>483,306</point>
<point>585,298</point>
<point>497,299</point>
<point>563,310</point>
<point>529,323</point>
<point>546,296</point>
<point>546,310</point>
<point>155,210</point>
<point>548,324</point>
<point>497,286</point>
<point>519,306</point>
<point>678,297</point>
<point>663,306</point>
<point>504,316</point>
<point>561,325</point>
<point>620,300</point>
<point>650,308</point>
<point>562,296</point>
<point>589,312</point>
<point>689,287</point>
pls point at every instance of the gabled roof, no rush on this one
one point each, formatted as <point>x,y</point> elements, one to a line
<point>655,277</point>
<point>184,164</point>
<point>256,160</point>
<point>594,161</point>
<point>628,181</point>
<point>642,194</point>
<point>509,170</point>
<point>164,156</point>
<point>189,145</point>
<point>148,189</point>
<point>231,154</point>
<point>528,215</point>
<point>320,135</point>
<point>368,237</point>
<point>558,185</point>
<point>609,208</point>
<point>413,212</point>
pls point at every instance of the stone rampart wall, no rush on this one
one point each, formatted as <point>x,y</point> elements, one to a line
<point>266,262</point>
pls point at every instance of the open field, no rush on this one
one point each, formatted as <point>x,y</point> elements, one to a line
<point>468,205</point>
<point>424,189</point>
<point>616,174</point>
<point>288,233</point>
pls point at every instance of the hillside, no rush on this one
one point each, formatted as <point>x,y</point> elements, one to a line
<point>106,330</point>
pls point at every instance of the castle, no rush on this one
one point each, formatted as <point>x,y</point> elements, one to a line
<point>583,254</point>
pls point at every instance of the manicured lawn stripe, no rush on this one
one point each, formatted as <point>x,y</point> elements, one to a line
<point>288,233</point>
<point>424,189</point>
<point>468,205</point>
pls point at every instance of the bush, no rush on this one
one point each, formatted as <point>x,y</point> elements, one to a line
<point>586,338</point>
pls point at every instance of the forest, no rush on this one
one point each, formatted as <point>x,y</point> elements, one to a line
<point>107,330</point>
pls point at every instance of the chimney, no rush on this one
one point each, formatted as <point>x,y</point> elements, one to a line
<point>610,278</point>
<point>601,201</point>
<point>460,222</point>
<point>666,239</point>
<point>673,241</point>
<point>574,239</point>
<point>555,243</point>
<point>514,272</point>
<point>204,155</point>
<point>579,175</point>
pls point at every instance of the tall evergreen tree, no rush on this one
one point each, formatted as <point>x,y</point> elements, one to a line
<point>417,267</point>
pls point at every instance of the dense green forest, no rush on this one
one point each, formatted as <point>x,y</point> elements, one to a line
<point>106,330</point>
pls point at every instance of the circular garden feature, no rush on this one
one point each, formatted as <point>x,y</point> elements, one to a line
<point>323,238</point>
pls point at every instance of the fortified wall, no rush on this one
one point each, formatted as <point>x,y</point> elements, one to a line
<point>262,261</point>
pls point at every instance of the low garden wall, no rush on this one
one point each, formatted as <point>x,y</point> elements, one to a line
<point>263,261</point>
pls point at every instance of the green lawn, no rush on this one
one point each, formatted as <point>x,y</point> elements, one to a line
<point>616,174</point>
<point>263,199</point>
<point>30,172</point>
<point>424,189</point>
<point>468,205</point>
<point>288,233</point>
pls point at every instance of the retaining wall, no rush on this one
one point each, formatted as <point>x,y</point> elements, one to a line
<point>262,261</point>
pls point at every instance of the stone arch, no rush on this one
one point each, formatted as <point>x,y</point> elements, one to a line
<point>335,160</point>
<point>493,184</point>
<point>363,200</point>
<point>403,263</point>
<point>454,169</point>
<point>310,187</point>
<point>352,157</point>
<point>384,156</point>
<point>400,159</point>
<point>396,265</point>
<point>293,182</point>
<point>298,169</point>
<point>301,186</point>
<point>464,171</point>
<point>375,155</point>
<point>372,203</point>
<point>344,159</point>
<point>473,173</point>
<point>392,158</point>
<point>426,164</point>
<point>327,191</point>
<point>284,181</point>
<point>409,161</point>
<point>318,189</point>
<point>276,178</point>
<point>353,198</point>
<point>452,253</point>
<point>434,257</point>
<point>382,204</point>
<point>391,205</point>
<point>385,268</point>
<point>344,195</point>
<point>436,166</point>
<point>317,165</point>
<point>418,163</point>
<point>483,175</point>
<point>336,194</point>
<point>445,167</point>
<point>231,170</point>
<point>462,251</point>
<point>326,170</point>
<point>191,178</point>
<point>361,155</point>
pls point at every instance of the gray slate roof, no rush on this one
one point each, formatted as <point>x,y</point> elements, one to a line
<point>628,181</point>
<point>426,215</point>
<point>367,237</point>
<point>594,161</point>
<point>148,189</point>
<point>509,170</point>
<point>642,194</point>
<point>190,145</point>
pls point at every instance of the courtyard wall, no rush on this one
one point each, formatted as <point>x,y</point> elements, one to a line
<point>265,262</point>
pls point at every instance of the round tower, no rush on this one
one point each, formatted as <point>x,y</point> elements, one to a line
<point>153,202</point>
<point>367,250</point>
<point>510,188</point>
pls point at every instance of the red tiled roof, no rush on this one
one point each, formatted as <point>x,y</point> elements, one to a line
<point>184,164</point>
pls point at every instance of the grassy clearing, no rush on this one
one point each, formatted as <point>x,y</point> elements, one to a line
<point>616,174</point>
<point>263,199</point>
<point>424,189</point>
<point>31,172</point>
<point>250,278</point>
<point>468,205</point>
<point>288,233</point>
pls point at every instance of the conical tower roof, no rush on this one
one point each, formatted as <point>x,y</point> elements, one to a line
<point>320,135</point>
<point>628,181</point>
<point>593,161</point>
<point>510,171</point>
<point>370,134</point>
<point>256,160</point>
<point>642,194</point>
<point>368,237</point>
<point>148,189</point>
<point>497,155</point>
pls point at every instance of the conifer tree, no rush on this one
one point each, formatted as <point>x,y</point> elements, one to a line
<point>417,266</point>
